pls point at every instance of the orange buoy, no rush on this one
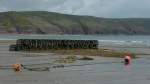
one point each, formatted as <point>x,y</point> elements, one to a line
<point>127,59</point>
<point>17,67</point>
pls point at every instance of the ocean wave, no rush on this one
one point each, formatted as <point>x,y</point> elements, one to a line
<point>3,39</point>
<point>121,42</point>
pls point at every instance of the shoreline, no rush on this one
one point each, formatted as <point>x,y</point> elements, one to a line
<point>84,52</point>
<point>138,51</point>
<point>7,42</point>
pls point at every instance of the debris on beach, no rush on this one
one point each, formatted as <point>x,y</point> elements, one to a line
<point>69,59</point>
<point>86,58</point>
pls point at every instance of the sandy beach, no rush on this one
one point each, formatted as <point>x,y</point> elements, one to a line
<point>7,42</point>
<point>4,50</point>
<point>103,70</point>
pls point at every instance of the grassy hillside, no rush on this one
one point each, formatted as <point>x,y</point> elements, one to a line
<point>41,22</point>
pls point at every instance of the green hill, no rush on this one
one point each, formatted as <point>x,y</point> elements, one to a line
<point>42,22</point>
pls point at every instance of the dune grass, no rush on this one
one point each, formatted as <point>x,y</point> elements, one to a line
<point>93,52</point>
<point>87,52</point>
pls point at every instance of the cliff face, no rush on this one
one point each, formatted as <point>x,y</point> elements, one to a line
<point>41,22</point>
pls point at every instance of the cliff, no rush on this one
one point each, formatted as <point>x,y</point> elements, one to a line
<point>42,22</point>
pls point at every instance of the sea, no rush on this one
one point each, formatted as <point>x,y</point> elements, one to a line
<point>119,42</point>
<point>103,39</point>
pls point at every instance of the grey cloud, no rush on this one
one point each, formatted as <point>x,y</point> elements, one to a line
<point>12,5</point>
<point>100,8</point>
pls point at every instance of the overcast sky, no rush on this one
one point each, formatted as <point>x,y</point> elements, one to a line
<point>100,8</point>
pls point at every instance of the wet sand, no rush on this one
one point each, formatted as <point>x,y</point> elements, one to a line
<point>7,42</point>
<point>108,71</point>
